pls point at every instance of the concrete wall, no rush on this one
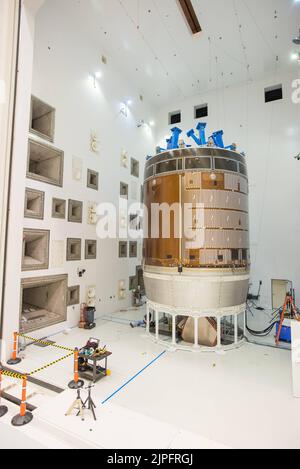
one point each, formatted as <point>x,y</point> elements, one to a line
<point>55,64</point>
<point>270,135</point>
<point>9,21</point>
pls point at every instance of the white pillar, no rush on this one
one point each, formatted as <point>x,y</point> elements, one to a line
<point>156,325</point>
<point>148,318</point>
<point>173,330</point>
<point>196,332</point>
<point>236,329</point>
<point>219,331</point>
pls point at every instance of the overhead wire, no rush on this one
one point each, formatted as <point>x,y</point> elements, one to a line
<point>174,42</point>
<point>269,142</point>
<point>265,332</point>
<point>242,40</point>
<point>259,28</point>
<point>153,52</point>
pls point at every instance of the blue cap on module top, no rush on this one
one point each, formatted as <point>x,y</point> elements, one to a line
<point>199,137</point>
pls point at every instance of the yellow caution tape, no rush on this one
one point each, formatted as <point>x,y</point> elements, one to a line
<point>50,344</point>
<point>11,374</point>
<point>38,370</point>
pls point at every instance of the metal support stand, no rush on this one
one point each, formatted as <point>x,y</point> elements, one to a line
<point>89,403</point>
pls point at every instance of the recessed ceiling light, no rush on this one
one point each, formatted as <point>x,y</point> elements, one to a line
<point>296,40</point>
<point>295,56</point>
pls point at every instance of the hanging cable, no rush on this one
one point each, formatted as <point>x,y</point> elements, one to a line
<point>243,44</point>
<point>148,44</point>
<point>174,42</point>
<point>265,332</point>
<point>259,28</point>
<point>210,60</point>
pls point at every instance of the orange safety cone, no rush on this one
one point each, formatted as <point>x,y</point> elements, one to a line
<point>24,417</point>
<point>3,408</point>
<point>14,359</point>
<point>76,383</point>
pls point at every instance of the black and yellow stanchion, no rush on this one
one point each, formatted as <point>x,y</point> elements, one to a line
<point>76,383</point>
<point>3,408</point>
<point>15,360</point>
<point>55,362</point>
<point>24,417</point>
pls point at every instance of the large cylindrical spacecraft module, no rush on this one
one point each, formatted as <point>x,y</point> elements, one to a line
<point>196,246</point>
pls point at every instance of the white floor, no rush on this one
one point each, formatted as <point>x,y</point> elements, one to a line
<point>242,399</point>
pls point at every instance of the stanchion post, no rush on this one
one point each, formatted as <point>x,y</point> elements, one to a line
<point>14,359</point>
<point>24,417</point>
<point>76,383</point>
<point>3,408</point>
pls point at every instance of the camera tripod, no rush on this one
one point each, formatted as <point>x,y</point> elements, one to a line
<point>89,403</point>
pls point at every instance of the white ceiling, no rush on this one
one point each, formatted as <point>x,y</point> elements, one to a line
<point>149,42</point>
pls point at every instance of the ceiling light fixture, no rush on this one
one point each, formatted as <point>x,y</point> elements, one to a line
<point>297,40</point>
<point>295,56</point>
<point>94,77</point>
<point>190,16</point>
<point>142,123</point>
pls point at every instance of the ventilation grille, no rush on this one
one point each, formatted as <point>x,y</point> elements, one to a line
<point>273,93</point>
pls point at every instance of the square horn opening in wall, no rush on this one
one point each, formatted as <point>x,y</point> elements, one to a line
<point>75,211</point>
<point>73,249</point>
<point>35,250</point>
<point>42,119</point>
<point>45,163</point>
<point>123,249</point>
<point>59,208</point>
<point>34,204</point>
<point>124,190</point>
<point>74,295</point>
<point>91,249</point>
<point>133,249</point>
<point>92,180</point>
<point>135,168</point>
<point>43,302</point>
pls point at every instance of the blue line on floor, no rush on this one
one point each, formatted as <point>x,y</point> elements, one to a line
<point>134,377</point>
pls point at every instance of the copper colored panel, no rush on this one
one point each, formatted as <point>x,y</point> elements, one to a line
<point>217,183</point>
<point>162,190</point>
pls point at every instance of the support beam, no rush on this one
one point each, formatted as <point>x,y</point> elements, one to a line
<point>190,16</point>
<point>174,330</point>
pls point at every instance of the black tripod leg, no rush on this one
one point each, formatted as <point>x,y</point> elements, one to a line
<point>92,409</point>
<point>85,403</point>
